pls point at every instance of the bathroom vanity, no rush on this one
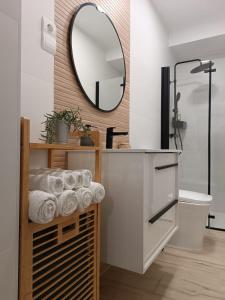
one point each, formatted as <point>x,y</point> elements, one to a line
<point>139,214</point>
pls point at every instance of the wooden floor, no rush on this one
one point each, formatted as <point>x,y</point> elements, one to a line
<point>176,275</point>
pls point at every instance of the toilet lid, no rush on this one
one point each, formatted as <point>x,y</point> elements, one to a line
<point>194,197</point>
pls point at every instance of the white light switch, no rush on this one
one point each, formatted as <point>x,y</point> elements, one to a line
<point>48,35</point>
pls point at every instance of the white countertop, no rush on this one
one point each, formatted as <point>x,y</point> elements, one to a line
<point>141,150</point>
<point>135,151</point>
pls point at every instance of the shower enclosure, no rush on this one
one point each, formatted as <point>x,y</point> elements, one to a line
<point>197,125</point>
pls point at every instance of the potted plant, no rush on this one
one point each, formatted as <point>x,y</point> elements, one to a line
<point>59,124</point>
<point>86,140</point>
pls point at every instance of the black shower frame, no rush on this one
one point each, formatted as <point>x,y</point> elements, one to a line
<point>165,100</point>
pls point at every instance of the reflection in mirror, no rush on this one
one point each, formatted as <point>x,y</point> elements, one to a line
<point>97,57</point>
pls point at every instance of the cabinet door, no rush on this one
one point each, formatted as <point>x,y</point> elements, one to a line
<point>160,204</point>
<point>164,181</point>
<point>157,234</point>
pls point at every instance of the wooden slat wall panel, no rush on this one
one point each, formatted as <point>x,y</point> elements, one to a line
<point>66,89</point>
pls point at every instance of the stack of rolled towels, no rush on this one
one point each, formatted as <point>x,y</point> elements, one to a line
<point>57,192</point>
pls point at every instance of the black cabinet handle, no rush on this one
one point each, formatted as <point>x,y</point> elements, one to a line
<point>162,211</point>
<point>166,166</point>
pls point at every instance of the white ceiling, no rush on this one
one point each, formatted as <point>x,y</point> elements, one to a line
<point>181,14</point>
<point>196,28</point>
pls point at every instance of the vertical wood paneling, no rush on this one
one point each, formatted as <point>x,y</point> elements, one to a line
<point>66,89</point>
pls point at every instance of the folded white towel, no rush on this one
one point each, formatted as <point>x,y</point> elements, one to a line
<point>86,177</point>
<point>44,171</point>
<point>46,183</point>
<point>98,192</point>
<point>42,207</point>
<point>41,171</point>
<point>67,203</point>
<point>84,196</point>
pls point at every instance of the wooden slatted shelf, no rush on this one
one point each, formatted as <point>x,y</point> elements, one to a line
<point>66,147</point>
<point>54,264</point>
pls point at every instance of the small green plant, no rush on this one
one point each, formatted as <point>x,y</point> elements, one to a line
<point>72,118</point>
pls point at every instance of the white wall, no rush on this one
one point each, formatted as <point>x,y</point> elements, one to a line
<point>37,66</point>
<point>9,150</point>
<point>149,52</point>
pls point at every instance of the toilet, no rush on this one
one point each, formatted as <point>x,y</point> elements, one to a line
<point>193,209</point>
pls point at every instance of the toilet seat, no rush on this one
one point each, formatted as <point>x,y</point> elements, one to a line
<point>194,197</point>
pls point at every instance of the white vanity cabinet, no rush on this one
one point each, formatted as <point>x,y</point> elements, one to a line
<point>139,212</point>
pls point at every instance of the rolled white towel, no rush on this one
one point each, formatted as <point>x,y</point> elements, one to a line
<point>67,203</point>
<point>46,183</point>
<point>98,192</point>
<point>42,207</point>
<point>86,177</point>
<point>68,178</point>
<point>78,177</point>
<point>43,171</point>
<point>84,196</point>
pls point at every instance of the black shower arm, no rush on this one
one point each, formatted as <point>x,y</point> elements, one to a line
<point>183,62</point>
<point>187,61</point>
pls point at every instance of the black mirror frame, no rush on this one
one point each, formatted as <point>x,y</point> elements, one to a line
<point>73,61</point>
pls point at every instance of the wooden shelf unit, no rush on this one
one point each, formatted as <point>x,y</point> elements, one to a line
<point>61,259</point>
<point>66,147</point>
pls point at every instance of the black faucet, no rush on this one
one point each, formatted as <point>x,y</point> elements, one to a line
<point>109,136</point>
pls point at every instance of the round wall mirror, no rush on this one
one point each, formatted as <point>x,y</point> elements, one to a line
<point>97,57</point>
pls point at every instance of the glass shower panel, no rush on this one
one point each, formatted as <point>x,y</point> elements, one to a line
<point>193,109</point>
<point>218,145</point>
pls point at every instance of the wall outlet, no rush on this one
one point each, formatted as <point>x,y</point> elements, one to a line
<point>48,35</point>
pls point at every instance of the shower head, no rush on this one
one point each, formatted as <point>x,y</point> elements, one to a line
<point>204,65</point>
